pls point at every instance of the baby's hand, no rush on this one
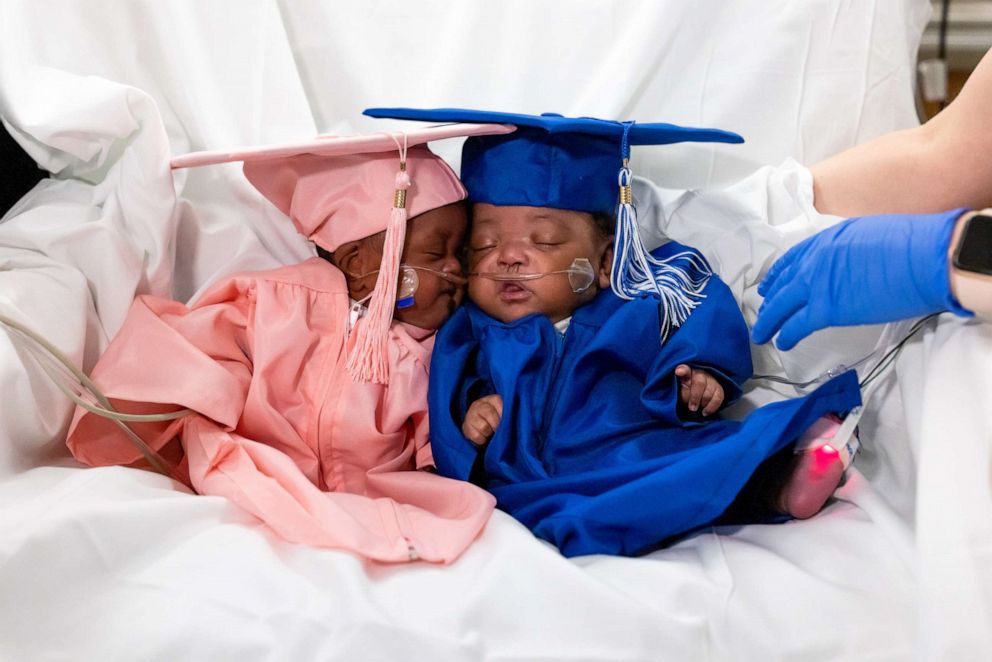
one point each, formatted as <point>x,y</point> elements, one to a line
<point>698,388</point>
<point>482,419</point>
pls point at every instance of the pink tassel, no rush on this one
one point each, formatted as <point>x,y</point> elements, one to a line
<point>367,361</point>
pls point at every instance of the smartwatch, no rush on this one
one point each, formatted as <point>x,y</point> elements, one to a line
<point>973,251</point>
<point>971,263</point>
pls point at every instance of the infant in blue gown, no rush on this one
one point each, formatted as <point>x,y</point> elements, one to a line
<point>587,411</point>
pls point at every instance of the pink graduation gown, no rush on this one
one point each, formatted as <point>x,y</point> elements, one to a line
<point>280,427</point>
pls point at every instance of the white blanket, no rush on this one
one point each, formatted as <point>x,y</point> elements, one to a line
<point>123,564</point>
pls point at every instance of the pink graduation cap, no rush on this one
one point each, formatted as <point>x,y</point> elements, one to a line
<point>341,189</point>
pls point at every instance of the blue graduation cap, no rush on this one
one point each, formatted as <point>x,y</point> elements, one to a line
<point>551,160</point>
<point>579,164</point>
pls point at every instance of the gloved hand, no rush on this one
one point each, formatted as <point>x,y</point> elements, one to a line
<point>861,271</point>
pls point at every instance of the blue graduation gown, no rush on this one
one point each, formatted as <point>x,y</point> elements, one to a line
<point>594,452</point>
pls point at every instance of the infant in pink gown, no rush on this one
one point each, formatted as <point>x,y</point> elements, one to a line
<point>310,410</point>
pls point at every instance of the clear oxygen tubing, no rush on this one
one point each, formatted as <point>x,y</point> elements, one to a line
<point>581,275</point>
<point>74,383</point>
<point>409,281</point>
<point>443,275</point>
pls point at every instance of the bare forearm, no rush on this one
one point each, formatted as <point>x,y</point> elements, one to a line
<point>945,163</point>
<point>881,176</point>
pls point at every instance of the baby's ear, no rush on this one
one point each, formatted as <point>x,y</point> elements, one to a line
<point>605,265</point>
<point>360,257</point>
<point>346,258</point>
<point>369,253</point>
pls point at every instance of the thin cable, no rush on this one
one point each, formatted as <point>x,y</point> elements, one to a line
<point>105,410</point>
<point>157,462</point>
<point>832,372</point>
<point>63,372</point>
<point>893,353</point>
<point>883,363</point>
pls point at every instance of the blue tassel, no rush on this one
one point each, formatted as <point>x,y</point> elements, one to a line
<point>677,281</point>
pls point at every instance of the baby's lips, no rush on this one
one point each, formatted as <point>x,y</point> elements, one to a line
<point>513,285</point>
<point>512,291</point>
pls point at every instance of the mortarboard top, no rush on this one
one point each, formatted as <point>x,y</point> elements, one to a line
<point>331,145</point>
<point>551,160</point>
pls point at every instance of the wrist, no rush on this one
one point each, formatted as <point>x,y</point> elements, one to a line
<point>928,242</point>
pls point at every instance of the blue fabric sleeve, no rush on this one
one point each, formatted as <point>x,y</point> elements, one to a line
<point>713,338</point>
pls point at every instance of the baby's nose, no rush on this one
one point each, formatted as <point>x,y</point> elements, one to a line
<point>512,252</point>
<point>452,264</point>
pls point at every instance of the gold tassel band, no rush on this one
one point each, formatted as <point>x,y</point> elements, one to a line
<point>626,195</point>
<point>399,198</point>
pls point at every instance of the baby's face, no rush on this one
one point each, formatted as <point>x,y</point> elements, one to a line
<point>510,239</point>
<point>434,240</point>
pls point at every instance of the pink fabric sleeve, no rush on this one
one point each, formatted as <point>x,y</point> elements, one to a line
<point>167,356</point>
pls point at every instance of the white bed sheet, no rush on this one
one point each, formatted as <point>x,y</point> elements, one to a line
<point>121,564</point>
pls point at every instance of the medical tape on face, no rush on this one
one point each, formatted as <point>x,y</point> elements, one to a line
<point>443,275</point>
<point>410,282</point>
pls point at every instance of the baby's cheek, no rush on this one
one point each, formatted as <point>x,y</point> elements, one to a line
<point>427,297</point>
<point>476,290</point>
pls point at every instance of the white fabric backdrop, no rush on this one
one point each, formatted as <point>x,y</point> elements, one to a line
<point>120,564</point>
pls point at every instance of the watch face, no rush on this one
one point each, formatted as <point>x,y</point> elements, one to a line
<point>974,251</point>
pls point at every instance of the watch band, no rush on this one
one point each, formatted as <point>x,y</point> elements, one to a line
<point>973,290</point>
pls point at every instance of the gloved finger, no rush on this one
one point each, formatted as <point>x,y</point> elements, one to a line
<point>795,329</point>
<point>786,275</point>
<point>778,309</point>
<point>769,279</point>
<point>791,257</point>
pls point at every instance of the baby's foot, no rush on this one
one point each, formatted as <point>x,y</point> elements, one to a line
<point>816,473</point>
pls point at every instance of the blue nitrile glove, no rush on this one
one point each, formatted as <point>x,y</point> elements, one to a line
<point>861,271</point>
